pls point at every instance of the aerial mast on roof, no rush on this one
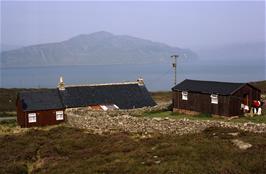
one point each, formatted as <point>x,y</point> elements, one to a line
<point>174,66</point>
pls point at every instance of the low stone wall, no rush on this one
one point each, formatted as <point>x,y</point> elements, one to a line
<point>146,126</point>
<point>133,112</point>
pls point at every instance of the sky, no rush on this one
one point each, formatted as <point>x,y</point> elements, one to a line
<point>193,25</point>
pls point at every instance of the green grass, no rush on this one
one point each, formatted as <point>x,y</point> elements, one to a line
<point>8,114</point>
<point>255,119</point>
<point>170,114</point>
<point>8,123</point>
<point>67,150</point>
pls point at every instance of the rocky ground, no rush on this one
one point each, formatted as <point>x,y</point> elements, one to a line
<point>148,126</point>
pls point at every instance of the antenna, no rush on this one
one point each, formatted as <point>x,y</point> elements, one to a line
<point>174,66</point>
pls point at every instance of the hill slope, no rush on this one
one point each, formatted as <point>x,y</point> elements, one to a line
<point>238,53</point>
<point>96,48</point>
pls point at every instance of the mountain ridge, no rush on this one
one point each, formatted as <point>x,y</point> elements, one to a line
<point>93,49</point>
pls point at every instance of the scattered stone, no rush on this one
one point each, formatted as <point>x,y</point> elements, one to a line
<point>143,137</point>
<point>153,148</point>
<point>157,119</point>
<point>241,144</point>
<point>123,121</point>
<point>155,156</point>
<point>234,134</point>
<point>231,118</point>
<point>157,162</point>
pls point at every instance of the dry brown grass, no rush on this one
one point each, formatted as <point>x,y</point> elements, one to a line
<point>162,97</point>
<point>62,149</point>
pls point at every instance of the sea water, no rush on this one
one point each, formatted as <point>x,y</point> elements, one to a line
<point>157,77</point>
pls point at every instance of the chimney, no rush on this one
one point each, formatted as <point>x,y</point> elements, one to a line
<point>61,84</point>
<point>140,81</point>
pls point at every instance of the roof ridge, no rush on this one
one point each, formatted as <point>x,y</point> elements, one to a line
<point>37,90</point>
<point>216,81</point>
<point>223,88</point>
<point>103,84</point>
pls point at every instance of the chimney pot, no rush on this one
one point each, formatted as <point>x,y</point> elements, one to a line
<point>140,81</point>
<point>61,84</point>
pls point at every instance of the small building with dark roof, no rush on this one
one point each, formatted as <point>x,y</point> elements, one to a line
<point>46,107</point>
<point>217,98</point>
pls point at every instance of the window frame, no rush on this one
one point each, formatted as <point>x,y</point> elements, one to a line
<point>59,115</point>
<point>184,95</point>
<point>32,117</point>
<point>214,99</point>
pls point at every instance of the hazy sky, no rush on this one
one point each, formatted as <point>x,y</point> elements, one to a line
<point>185,24</point>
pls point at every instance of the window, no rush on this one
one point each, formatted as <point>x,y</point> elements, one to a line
<point>184,95</point>
<point>59,115</point>
<point>214,99</point>
<point>32,117</point>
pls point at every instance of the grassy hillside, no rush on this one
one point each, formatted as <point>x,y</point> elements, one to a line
<point>261,85</point>
<point>162,96</point>
<point>62,150</point>
<point>8,98</point>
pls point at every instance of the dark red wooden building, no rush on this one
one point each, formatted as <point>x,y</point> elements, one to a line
<point>217,98</point>
<point>39,108</point>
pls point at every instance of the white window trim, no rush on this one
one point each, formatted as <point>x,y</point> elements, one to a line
<point>59,115</point>
<point>214,99</point>
<point>184,95</point>
<point>32,117</point>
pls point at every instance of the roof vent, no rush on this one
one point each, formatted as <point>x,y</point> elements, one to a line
<point>140,81</point>
<point>61,84</point>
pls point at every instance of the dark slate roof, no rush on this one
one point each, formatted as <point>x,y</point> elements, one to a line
<point>40,100</point>
<point>124,95</point>
<point>210,87</point>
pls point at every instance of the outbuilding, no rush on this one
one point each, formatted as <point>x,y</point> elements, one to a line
<point>39,108</point>
<point>212,97</point>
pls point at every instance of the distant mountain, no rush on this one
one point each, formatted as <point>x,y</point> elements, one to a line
<point>243,53</point>
<point>96,48</point>
<point>8,47</point>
